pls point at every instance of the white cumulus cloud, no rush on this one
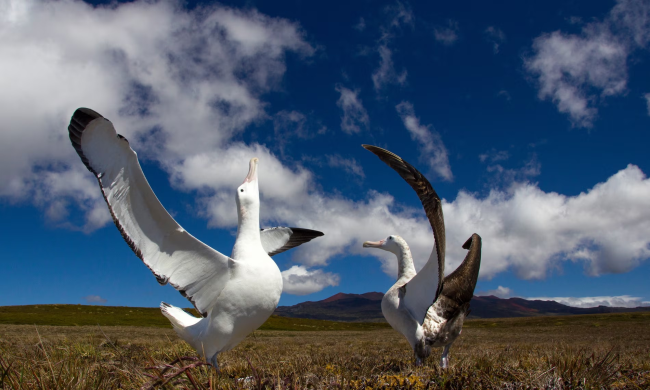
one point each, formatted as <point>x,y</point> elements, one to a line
<point>530,231</point>
<point>298,280</point>
<point>500,292</point>
<point>586,302</point>
<point>176,83</point>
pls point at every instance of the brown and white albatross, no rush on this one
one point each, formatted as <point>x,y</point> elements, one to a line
<point>427,307</point>
<point>235,294</point>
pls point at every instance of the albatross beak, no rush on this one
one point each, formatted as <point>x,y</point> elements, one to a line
<point>373,244</point>
<point>252,170</point>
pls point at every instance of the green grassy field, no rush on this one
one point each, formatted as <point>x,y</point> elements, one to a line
<point>81,315</point>
<point>570,352</point>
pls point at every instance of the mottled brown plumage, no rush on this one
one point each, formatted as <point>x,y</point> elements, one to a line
<point>459,285</point>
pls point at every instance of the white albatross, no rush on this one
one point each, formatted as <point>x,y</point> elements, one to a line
<point>426,307</point>
<point>235,294</point>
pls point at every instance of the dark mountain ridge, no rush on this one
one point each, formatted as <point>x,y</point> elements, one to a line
<point>367,308</point>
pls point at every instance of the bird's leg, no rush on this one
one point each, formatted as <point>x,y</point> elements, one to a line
<point>421,351</point>
<point>214,362</point>
<point>444,360</point>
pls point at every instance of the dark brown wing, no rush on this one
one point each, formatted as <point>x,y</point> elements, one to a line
<point>459,285</point>
<point>429,198</point>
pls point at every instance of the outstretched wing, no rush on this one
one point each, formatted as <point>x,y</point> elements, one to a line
<point>279,239</point>
<point>459,285</point>
<point>423,289</point>
<point>197,271</point>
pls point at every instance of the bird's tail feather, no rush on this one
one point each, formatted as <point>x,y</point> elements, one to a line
<point>179,318</point>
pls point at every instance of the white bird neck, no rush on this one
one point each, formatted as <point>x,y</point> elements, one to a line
<point>405,266</point>
<point>248,227</point>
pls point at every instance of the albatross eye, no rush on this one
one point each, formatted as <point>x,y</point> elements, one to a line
<point>241,190</point>
<point>390,238</point>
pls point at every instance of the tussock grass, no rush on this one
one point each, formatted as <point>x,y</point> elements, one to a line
<point>490,354</point>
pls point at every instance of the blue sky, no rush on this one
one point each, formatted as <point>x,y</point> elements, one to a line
<point>531,120</point>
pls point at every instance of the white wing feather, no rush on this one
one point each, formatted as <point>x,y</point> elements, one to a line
<point>421,289</point>
<point>199,272</point>
<point>274,238</point>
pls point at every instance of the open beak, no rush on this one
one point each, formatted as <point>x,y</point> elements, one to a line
<point>373,244</point>
<point>252,170</point>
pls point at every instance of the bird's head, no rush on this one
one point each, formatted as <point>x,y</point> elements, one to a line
<point>394,244</point>
<point>248,192</point>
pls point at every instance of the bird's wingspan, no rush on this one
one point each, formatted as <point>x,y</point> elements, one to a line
<point>424,288</point>
<point>279,239</point>
<point>174,256</point>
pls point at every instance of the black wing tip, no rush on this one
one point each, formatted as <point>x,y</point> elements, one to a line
<point>307,232</point>
<point>78,122</point>
<point>81,117</point>
<point>303,231</point>
<point>88,112</point>
<point>298,237</point>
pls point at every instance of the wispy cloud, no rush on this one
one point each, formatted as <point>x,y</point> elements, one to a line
<point>432,149</point>
<point>447,35</point>
<point>291,125</point>
<point>385,73</point>
<point>354,116</point>
<point>647,98</point>
<point>361,24</point>
<point>298,280</point>
<point>399,15</point>
<point>505,94</point>
<point>577,71</point>
<point>504,177</point>
<point>349,165</point>
<point>494,155</point>
<point>495,36</point>
<point>92,299</point>
<point>585,302</point>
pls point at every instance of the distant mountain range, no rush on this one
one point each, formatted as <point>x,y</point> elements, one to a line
<point>367,308</point>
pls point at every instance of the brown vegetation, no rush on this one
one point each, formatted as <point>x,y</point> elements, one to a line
<point>594,351</point>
